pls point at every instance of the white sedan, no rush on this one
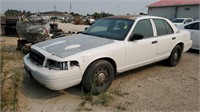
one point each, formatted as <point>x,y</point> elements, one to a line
<point>181,21</point>
<point>110,46</point>
<point>194,29</point>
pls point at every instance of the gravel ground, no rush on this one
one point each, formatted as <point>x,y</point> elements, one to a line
<point>155,87</point>
<point>151,88</point>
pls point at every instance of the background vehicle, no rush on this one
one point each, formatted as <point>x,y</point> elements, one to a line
<point>194,29</point>
<point>180,21</point>
<point>110,46</point>
<point>35,28</point>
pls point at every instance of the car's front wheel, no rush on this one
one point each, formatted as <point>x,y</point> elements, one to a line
<point>98,77</point>
<point>175,56</point>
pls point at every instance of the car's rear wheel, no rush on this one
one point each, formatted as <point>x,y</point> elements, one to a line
<point>175,56</point>
<point>98,77</point>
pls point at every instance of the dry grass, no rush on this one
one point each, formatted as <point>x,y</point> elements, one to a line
<point>11,73</point>
<point>103,99</point>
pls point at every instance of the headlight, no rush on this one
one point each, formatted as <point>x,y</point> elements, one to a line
<point>51,64</point>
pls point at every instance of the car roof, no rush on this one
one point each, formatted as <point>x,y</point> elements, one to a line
<point>193,22</point>
<point>125,16</point>
<point>182,18</point>
<point>134,17</point>
<point>183,25</point>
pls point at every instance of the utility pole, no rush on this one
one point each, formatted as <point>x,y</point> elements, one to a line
<point>70,7</point>
<point>54,7</point>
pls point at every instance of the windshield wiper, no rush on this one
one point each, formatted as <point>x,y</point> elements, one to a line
<point>86,33</point>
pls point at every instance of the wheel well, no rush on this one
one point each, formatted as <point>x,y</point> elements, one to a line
<point>112,62</point>
<point>181,44</point>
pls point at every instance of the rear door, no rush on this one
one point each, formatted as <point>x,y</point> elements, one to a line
<point>166,38</point>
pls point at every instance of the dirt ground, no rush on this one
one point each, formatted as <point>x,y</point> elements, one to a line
<point>155,87</point>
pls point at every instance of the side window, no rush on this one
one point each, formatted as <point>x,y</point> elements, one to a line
<point>189,20</point>
<point>186,21</point>
<point>194,26</point>
<point>144,27</point>
<point>160,27</point>
<point>168,27</point>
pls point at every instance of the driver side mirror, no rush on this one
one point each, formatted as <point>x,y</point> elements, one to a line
<point>136,36</point>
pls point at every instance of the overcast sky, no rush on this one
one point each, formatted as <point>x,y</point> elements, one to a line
<point>116,7</point>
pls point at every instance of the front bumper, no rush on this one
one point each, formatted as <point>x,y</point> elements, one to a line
<point>53,79</point>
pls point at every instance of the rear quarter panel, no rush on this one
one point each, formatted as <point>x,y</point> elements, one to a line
<point>184,36</point>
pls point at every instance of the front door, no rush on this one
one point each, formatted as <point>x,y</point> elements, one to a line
<point>143,51</point>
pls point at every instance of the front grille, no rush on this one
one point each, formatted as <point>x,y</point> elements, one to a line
<point>36,57</point>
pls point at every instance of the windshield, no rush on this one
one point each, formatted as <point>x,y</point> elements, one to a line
<point>178,20</point>
<point>111,28</point>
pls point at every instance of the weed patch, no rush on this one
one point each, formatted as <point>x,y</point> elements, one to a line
<point>11,74</point>
<point>103,99</point>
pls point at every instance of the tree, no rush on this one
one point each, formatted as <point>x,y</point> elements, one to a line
<point>96,15</point>
<point>11,12</point>
<point>15,13</point>
<point>101,15</point>
<point>28,13</point>
<point>72,13</point>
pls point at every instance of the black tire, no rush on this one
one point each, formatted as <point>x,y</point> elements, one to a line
<point>98,77</point>
<point>175,56</point>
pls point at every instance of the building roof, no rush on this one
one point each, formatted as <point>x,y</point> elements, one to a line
<point>163,3</point>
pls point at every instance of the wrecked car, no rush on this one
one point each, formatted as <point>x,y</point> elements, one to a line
<point>110,46</point>
<point>35,28</point>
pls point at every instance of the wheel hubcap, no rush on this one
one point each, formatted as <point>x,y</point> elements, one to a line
<point>101,76</point>
<point>176,55</point>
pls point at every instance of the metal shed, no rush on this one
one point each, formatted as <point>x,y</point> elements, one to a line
<point>175,9</point>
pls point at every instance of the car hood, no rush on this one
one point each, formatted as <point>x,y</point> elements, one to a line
<point>70,45</point>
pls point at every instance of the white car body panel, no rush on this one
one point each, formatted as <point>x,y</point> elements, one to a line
<point>195,35</point>
<point>126,54</point>
<point>51,78</point>
<point>138,57</point>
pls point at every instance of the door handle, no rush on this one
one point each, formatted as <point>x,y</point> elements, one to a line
<point>173,38</point>
<point>154,42</point>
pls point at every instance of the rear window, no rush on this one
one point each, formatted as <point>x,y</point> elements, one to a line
<point>177,20</point>
<point>162,27</point>
<point>168,27</point>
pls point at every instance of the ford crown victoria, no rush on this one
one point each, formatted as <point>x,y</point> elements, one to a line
<point>110,46</point>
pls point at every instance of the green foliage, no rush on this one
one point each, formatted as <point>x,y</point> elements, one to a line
<point>15,13</point>
<point>11,12</point>
<point>96,15</point>
<point>75,14</point>
<point>101,15</point>
<point>103,99</point>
